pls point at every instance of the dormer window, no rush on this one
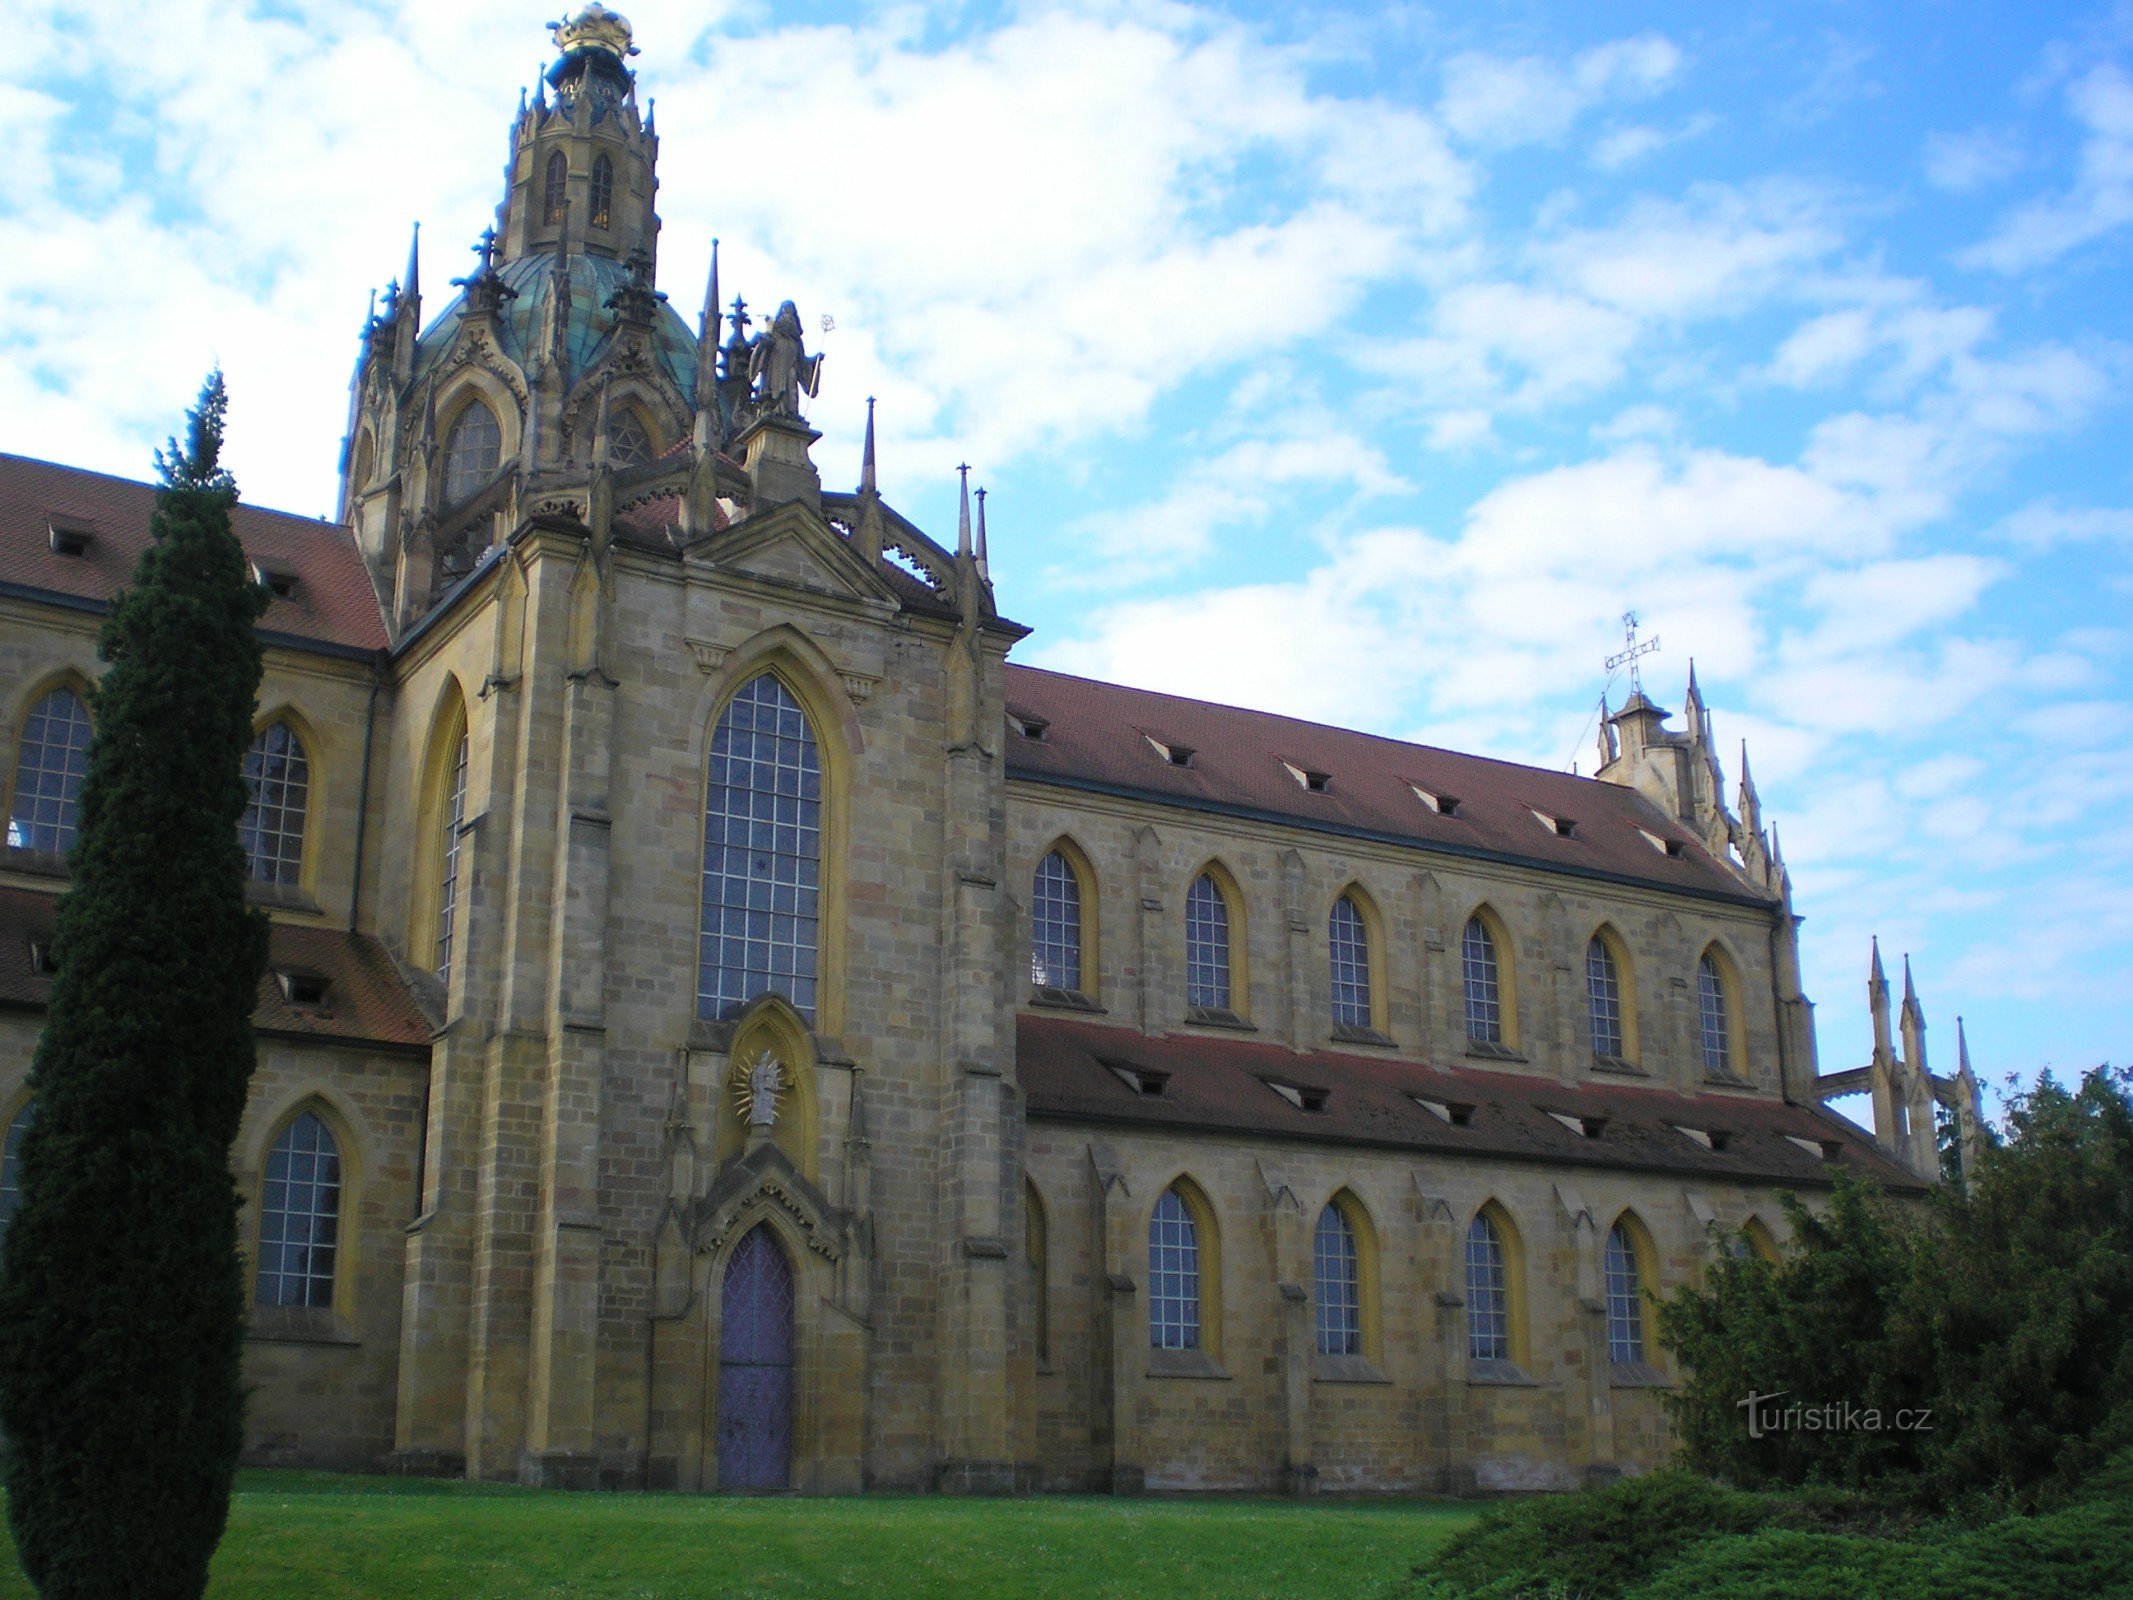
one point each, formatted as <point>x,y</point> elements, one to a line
<point>1029,727</point>
<point>1315,782</point>
<point>1585,1127</point>
<point>1666,847</point>
<point>302,988</point>
<point>1443,804</point>
<point>1459,1116</point>
<point>1561,827</point>
<point>71,535</point>
<point>1178,755</point>
<point>1301,1096</point>
<point>41,961</point>
<point>277,581</point>
<point>1143,1081</point>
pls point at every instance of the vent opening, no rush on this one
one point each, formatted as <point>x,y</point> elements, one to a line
<point>1301,1096</point>
<point>1143,1081</point>
<point>41,961</point>
<point>71,535</point>
<point>1178,755</point>
<point>1445,805</point>
<point>1307,778</point>
<point>1028,726</point>
<point>302,988</point>
<point>277,581</point>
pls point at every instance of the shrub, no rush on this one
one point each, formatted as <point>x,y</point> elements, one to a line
<point>1786,1564</point>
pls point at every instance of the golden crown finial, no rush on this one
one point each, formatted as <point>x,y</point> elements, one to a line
<point>594,27</point>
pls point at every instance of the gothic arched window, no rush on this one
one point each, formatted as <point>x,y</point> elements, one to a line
<point>1337,1278</point>
<point>11,1165</point>
<point>1488,1291</point>
<point>762,855</point>
<point>627,442</point>
<point>472,452</point>
<point>49,764</point>
<point>1037,1246</point>
<point>1173,1274</point>
<point>1207,949</point>
<point>1055,925</point>
<point>1625,1297</point>
<point>603,191</point>
<point>555,191</point>
<point>1717,1018</point>
<point>1350,943</point>
<point>277,775</point>
<point>300,1216</point>
<point>452,817</point>
<point>1603,993</point>
<point>1484,994</point>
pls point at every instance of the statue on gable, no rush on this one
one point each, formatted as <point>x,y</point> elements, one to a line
<point>780,367</point>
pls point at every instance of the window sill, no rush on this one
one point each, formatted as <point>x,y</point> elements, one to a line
<point>1629,1069</point>
<point>1185,1364</point>
<point>37,863</point>
<point>1490,1050</point>
<point>1217,1017</point>
<point>1636,1375</point>
<point>278,896</point>
<point>1345,1369</point>
<point>313,1325</point>
<point>1063,1000</point>
<point>1500,1375</point>
<point>1348,1033</point>
<point>1712,1080</point>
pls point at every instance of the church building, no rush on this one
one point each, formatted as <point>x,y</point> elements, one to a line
<point>729,1027</point>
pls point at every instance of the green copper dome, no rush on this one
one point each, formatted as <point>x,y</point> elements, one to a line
<point>594,280</point>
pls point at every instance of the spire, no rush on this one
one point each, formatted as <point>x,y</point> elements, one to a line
<point>868,484</point>
<point>962,526</point>
<point>1910,992</point>
<point>707,340</point>
<point>413,291</point>
<point>1877,999</point>
<point>984,571</point>
<point>1962,1052</point>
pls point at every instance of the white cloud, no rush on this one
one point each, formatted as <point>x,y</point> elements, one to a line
<point>1497,100</point>
<point>2099,201</point>
<point>2045,523</point>
<point>1962,162</point>
<point>1719,249</point>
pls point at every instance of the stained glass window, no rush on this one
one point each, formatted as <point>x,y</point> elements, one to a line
<point>1488,1298</point>
<point>277,775</point>
<point>1603,990</point>
<point>1337,1276</point>
<point>300,1216</point>
<point>1055,925</point>
<point>49,765</point>
<point>1207,973</point>
<point>1484,999</point>
<point>1173,1275</point>
<point>762,855</point>
<point>1350,942</point>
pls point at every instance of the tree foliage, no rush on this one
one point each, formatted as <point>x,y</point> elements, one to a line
<point>121,1288</point>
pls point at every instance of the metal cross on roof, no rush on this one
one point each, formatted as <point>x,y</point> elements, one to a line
<point>1631,652</point>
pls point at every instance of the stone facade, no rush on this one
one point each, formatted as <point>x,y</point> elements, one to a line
<point>549,1144</point>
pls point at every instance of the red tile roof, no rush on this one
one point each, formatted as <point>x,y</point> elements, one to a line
<point>1096,735</point>
<point>333,603</point>
<point>1219,1085</point>
<point>366,1001</point>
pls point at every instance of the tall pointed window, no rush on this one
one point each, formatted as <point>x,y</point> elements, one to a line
<point>49,765</point>
<point>1717,1019</point>
<point>603,191</point>
<point>472,452</point>
<point>11,1165</point>
<point>1625,1297</point>
<point>300,1216</point>
<point>1037,1246</point>
<point>1337,1281</point>
<point>1207,969</point>
<point>1484,996</point>
<point>1055,925</point>
<point>452,819</point>
<point>762,855</point>
<point>1173,1275</point>
<point>1603,994</point>
<point>555,191</point>
<point>1488,1292</point>
<point>277,776</point>
<point>1349,940</point>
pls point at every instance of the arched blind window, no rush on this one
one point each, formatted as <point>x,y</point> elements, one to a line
<point>1036,1237</point>
<point>277,775</point>
<point>762,855</point>
<point>603,191</point>
<point>555,191</point>
<point>1173,1275</point>
<point>472,452</point>
<point>1603,992</point>
<point>1484,999</point>
<point>11,1165</point>
<point>1625,1299</point>
<point>49,764</point>
<point>1488,1297</point>
<point>1055,925</point>
<point>1206,946</point>
<point>1337,1276</point>
<point>451,820</point>
<point>627,442</point>
<point>1350,942</point>
<point>300,1216</point>
<point>1717,1025</point>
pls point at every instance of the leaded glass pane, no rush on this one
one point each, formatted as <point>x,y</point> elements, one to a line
<point>1484,1002</point>
<point>1055,925</point>
<point>1173,1275</point>
<point>1625,1299</point>
<point>472,452</point>
<point>278,778</point>
<point>1350,942</point>
<point>627,442</point>
<point>1717,1030</point>
<point>454,821</point>
<point>762,855</point>
<point>1206,946</point>
<point>11,1166</point>
<point>300,1216</point>
<point>1337,1275</point>
<point>49,765</point>
<point>1603,988</point>
<point>1488,1300</point>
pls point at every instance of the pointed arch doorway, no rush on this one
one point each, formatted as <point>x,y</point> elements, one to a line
<point>755,1388</point>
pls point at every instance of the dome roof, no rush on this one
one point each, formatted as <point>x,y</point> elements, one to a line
<point>589,329</point>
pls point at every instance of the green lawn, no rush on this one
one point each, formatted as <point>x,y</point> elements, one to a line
<point>326,1537</point>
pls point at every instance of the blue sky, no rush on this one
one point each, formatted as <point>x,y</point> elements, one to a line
<point>1363,363</point>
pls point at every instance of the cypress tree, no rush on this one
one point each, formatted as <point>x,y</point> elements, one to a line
<point>121,1290</point>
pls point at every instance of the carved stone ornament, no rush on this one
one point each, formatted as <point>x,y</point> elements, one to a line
<point>756,1086</point>
<point>859,685</point>
<point>709,657</point>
